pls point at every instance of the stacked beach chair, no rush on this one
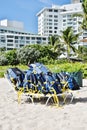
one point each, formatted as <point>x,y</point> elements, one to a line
<point>38,82</point>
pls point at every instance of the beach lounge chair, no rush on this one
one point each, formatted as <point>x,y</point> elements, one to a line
<point>39,82</point>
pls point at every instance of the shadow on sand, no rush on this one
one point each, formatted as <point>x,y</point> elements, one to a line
<point>79,100</point>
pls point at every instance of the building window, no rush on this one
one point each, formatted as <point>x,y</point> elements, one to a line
<point>27,38</point>
<point>50,31</point>
<point>55,16</point>
<point>55,10</point>
<point>27,41</point>
<point>64,24</point>
<point>9,44</point>
<point>33,38</point>
<point>16,37</point>
<point>2,37</point>
<point>74,23</point>
<point>44,38</point>
<point>64,16</point>
<point>55,23</point>
<point>55,27</point>
<point>9,48</point>
<point>22,41</point>
<point>3,41</point>
<point>64,20</point>
<point>50,10</point>
<point>50,19</point>
<point>69,16</point>
<point>70,19</point>
<point>21,38</point>
<point>50,15</point>
<point>9,36</point>
<point>21,45</point>
<point>75,19</point>
<point>38,42</point>
<point>50,23</point>
<point>16,41</point>
<point>55,20</point>
<point>55,31</point>
<point>38,38</point>
<point>9,40</point>
<point>16,45</point>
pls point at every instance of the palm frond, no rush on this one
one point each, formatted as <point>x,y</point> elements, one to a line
<point>77,15</point>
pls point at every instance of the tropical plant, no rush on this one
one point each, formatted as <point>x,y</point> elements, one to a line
<point>2,49</point>
<point>57,47</point>
<point>53,40</point>
<point>84,22</point>
<point>82,52</point>
<point>69,39</point>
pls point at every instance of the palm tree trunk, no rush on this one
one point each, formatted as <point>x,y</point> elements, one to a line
<point>68,52</point>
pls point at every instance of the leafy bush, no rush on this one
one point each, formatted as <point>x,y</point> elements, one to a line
<point>27,55</point>
<point>11,56</point>
<point>36,53</point>
<point>68,67</point>
<point>46,54</point>
<point>3,60</point>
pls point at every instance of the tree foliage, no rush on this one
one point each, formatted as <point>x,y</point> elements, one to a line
<point>69,39</point>
<point>82,53</point>
<point>54,39</point>
<point>83,15</point>
<point>3,60</point>
<point>11,56</point>
<point>84,22</point>
<point>57,47</point>
<point>36,53</point>
<point>27,55</point>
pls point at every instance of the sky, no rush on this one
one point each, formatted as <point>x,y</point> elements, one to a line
<point>25,11</point>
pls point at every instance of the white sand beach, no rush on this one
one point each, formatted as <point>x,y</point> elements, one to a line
<point>27,116</point>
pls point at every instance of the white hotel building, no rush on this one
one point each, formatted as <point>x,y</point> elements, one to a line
<point>12,35</point>
<point>52,20</point>
<point>56,18</point>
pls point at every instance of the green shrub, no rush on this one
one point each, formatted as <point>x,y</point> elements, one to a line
<point>3,60</point>
<point>69,67</point>
<point>27,55</point>
<point>11,56</point>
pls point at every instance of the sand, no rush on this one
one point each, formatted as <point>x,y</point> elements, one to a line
<point>27,116</point>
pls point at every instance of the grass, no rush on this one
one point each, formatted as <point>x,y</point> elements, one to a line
<point>68,67</point>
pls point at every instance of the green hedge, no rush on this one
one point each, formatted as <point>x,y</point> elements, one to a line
<point>68,67</point>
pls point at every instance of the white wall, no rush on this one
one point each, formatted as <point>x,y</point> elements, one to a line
<point>14,24</point>
<point>3,22</point>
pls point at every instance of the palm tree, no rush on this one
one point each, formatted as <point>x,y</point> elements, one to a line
<point>84,22</point>
<point>82,52</point>
<point>69,39</point>
<point>54,39</point>
<point>57,47</point>
<point>2,49</point>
